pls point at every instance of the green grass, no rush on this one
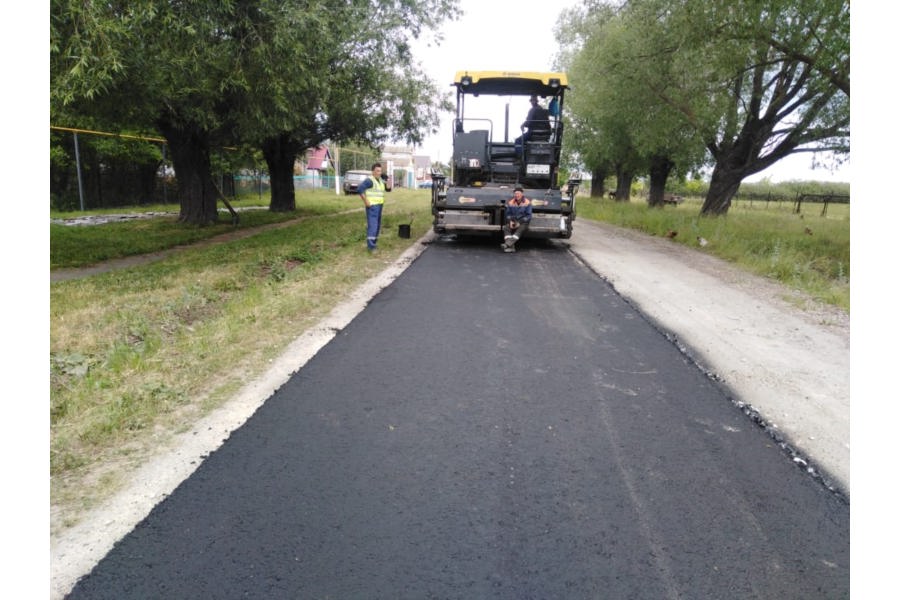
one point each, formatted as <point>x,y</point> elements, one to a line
<point>807,252</point>
<point>75,246</point>
<point>135,354</point>
<point>139,354</point>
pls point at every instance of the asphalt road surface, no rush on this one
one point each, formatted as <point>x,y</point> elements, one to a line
<point>492,426</point>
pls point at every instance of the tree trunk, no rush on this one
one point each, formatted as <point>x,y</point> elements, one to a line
<point>624,177</point>
<point>660,167</point>
<point>598,177</point>
<point>189,146</point>
<point>736,159</point>
<point>723,185</point>
<point>280,153</point>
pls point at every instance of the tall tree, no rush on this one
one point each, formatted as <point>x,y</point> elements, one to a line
<point>281,75</point>
<point>614,62</point>
<point>751,81</point>
<point>584,148</point>
<point>173,70</point>
<point>336,71</point>
<point>784,68</point>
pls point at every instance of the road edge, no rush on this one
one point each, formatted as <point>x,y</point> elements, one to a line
<point>75,552</point>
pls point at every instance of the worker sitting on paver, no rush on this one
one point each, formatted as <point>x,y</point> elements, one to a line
<point>518,217</point>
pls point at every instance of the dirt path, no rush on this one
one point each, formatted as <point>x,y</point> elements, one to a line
<point>143,259</point>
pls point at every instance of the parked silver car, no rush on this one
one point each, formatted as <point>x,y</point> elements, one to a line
<point>352,179</point>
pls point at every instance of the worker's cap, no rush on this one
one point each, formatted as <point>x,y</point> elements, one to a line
<point>518,188</point>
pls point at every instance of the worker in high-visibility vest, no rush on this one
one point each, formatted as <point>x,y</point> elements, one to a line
<point>372,193</point>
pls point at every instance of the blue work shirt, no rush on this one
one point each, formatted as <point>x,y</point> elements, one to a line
<point>518,212</point>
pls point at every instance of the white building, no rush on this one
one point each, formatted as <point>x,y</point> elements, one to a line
<point>400,158</point>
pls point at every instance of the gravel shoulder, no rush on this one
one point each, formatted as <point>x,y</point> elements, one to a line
<point>784,358</point>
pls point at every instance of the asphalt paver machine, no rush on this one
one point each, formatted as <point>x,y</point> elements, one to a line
<point>488,163</point>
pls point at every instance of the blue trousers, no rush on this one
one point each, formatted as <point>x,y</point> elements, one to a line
<point>373,225</point>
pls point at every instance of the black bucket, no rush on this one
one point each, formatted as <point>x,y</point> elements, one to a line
<point>405,231</point>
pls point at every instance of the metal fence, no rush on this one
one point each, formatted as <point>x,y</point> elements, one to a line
<point>90,170</point>
<point>259,183</point>
<point>97,171</point>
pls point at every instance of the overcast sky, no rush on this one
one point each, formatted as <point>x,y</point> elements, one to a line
<point>517,35</point>
<point>491,35</point>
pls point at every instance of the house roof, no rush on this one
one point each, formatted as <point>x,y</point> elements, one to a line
<point>316,157</point>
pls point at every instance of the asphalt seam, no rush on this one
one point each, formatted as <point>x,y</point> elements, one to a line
<point>799,459</point>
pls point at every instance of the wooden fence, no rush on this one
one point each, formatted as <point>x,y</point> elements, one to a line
<point>824,199</point>
<point>796,202</point>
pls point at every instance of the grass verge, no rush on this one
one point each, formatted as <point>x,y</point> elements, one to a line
<point>137,354</point>
<point>77,246</point>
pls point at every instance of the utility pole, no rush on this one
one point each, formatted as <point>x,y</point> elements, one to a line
<point>78,169</point>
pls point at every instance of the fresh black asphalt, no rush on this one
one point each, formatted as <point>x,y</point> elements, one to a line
<point>491,426</point>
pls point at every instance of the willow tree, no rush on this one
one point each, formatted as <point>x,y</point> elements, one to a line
<point>755,80</point>
<point>614,62</point>
<point>748,81</point>
<point>335,71</point>
<point>168,67</point>
<point>588,146</point>
<point>277,74</point>
<point>783,68</point>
